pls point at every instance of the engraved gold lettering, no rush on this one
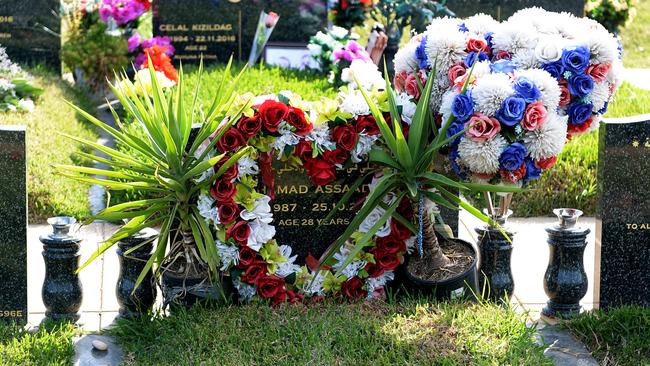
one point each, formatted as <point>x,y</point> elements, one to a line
<point>6,18</point>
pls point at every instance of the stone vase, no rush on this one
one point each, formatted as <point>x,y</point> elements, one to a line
<point>565,280</point>
<point>134,302</point>
<point>61,292</point>
<point>495,273</point>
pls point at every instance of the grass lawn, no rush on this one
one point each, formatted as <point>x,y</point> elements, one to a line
<point>50,195</point>
<point>636,38</point>
<point>334,334</point>
<point>615,337</point>
<point>51,346</point>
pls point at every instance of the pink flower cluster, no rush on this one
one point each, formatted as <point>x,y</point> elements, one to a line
<point>122,11</point>
<point>352,51</point>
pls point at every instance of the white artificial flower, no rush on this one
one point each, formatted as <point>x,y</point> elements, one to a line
<point>514,38</point>
<point>314,284</point>
<point>288,267</point>
<point>615,74</point>
<point>246,291</point>
<point>548,140</point>
<point>445,44</point>
<point>445,105</point>
<point>599,95</point>
<point>405,59</point>
<point>410,244</point>
<point>363,147</point>
<point>352,269</point>
<point>379,281</point>
<point>549,49</point>
<point>143,83</point>
<point>320,135</point>
<point>26,105</point>
<point>315,49</point>
<point>526,59</point>
<point>261,211</point>
<point>354,103</point>
<point>260,234</point>
<point>207,209</point>
<point>338,32</point>
<point>546,84</point>
<point>602,45</point>
<point>481,157</point>
<point>247,166</point>
<point>229,255</point>
<point>372,219</point>
<point>7,67</point>
<point>366,74</point>
<point>287,138</point>
<point>324,38</point>
<point>480,24</point>
<point>408,107</point>
<point>490,91</point>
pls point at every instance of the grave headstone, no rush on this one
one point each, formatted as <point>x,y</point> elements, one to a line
<point>13,224</point>
<point>502,9</point>
<point>30,29</point>
<point>217,29</point>
<point>623,217</point>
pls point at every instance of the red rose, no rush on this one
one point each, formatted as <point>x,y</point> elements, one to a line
<point>344,4</point>
<point>320,171</point>
<point>400,81</point>
<point>240,232</point>
<point>249,126</point>
<point>272,114</point>
<point>398,230</point>
<point>247,256</point>
<point>228,212</point>
<point>345,136</point>
<point>502,55</point>
<point>476,45</point>
<point>223,190</point>
<point>374,270</point>
<point>254,272</point>
<point>280,296</point>
<point>269,286</point>
<point>565,96</point>
<point>406,128</point>
<point>230,173</point>
<point>387,261</point>
<point>353,288</point>
<point>296,118</point>
<point>231,140</point>
<point>575,129</point>
<point>304,149</point>
<point>546,163</point>
<point>391,244</point>
<point>405,208</point>
<point>367,124</point>
<point>145,3</point>
<point>455,72</point>
<point>266,170</point>
<point>336,156</point>
<point>294,298</point>
<point>513,176</point>
<point>599,72</point>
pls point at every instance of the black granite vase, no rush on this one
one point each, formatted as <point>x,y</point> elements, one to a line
<point>62,294</point>
<point>495,274</point>
<point>565,281</point>
<point>134,302</point>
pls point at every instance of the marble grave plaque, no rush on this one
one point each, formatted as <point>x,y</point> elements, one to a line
<point>502,9</point>
<point>30,29</point>
<point>623,217</point>
<point>13,224</point>
<point>217,29</point>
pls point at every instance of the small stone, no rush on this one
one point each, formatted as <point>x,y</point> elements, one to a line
<point>99,345</point>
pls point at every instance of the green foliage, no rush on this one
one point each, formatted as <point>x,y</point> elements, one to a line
<point>349,13</point>
<point>369,333</point>
<point>612,14</point>
<point>636,38</point>
<point>96,53</point>
<point>48,194</point>
<point>397,15</point>
<point>617,336</point>
<point>49,345</point>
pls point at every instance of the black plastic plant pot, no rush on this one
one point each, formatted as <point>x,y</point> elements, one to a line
<point>495,274</point>
<point>184,292</point>
<point>461,286</point>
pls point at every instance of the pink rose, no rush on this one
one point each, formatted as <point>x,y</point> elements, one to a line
<point>534,116</point>
<point>482,128</point>
<point>455,72</point>
<point>411,86</point>
<point>502,55</point>
<point>400,81</point>
<point>271,19</point>
<point>599,72</point>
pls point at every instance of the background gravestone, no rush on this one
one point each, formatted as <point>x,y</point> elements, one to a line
<point>623,217</point>
<point>30,29</point>
<point>13,224</point>
<point>217,29</point>
<point>502,9</point>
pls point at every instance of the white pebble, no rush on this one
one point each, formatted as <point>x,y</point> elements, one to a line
<point>99,345</point>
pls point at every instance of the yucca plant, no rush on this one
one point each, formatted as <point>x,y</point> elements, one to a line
<point>169,162</point>
<point>409,168</point>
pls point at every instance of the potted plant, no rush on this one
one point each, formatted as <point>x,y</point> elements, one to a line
<point>169,164</point>
<point>409,168</point>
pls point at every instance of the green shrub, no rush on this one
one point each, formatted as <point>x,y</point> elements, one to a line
<point>612,14</point>
<point>49,345</point>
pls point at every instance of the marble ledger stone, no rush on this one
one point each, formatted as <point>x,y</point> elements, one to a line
<point>13,224</point>
<point>623,218</point>
<point>30,29</point>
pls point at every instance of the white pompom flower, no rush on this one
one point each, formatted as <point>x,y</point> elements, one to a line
<point>547,85</point>
<point>549,139</point>
<point>490,91</point>
<point>481,157</point>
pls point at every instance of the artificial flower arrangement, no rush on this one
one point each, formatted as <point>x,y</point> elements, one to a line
<point>159,50</point>
<point>17,92</point>
<point>342,58</point>
<point>349,13</point>
<point>123,13</point>
<point>538,79</point>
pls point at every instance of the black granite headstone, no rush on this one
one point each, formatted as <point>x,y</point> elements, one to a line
<point>218,29</point>
<point>30,29</point>
<point>623,218</point>
<point>502,9</point>
<point>13,224</point>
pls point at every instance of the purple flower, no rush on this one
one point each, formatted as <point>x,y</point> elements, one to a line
<point>343,54</point>
<point>122,11</point>
<point>160,41</point>
<point>512,157</point>
<point>134,42</point>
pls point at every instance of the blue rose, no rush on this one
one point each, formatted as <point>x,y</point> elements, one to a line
<point>453,159</point>
<point>512,157</point>
<point>462,27</point>
<point>579,112</point>
<point>503,66</point>
<point>463,107</point>
<point>532,171</point>
<point>512,110</point>
<point>604,108</point>
<point>421,53</point>
<point>554,68</point>
<point>453,129</point>
<point>526,89</point>
<point>488,39</point>
<point>575,59</point>
<point>580,85</point>
<point>472,56</point>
